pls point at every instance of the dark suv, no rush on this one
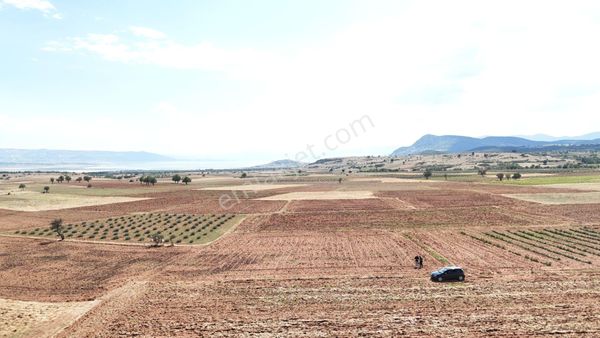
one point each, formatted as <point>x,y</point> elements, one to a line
<point>449,273</point>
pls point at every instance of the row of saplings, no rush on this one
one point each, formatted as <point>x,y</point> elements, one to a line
<point>157,238</point>
<point>57,226</point>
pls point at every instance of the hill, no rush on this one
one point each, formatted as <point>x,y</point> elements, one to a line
<point>280,164</point>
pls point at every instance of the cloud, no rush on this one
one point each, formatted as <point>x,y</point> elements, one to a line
<point>41,5</point>
<point>147,32</point>
<point>470,68</point>
<point>148,46</point>
<point>44,6</point>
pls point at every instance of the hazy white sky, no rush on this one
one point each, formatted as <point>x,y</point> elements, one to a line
<point>218,79</point>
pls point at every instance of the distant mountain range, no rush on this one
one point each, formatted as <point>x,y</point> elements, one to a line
<point>458,144</point>
<point>544,137</point>
<point>46,156</point>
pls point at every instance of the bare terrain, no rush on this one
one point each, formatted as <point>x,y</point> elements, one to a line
<point>308,256</point>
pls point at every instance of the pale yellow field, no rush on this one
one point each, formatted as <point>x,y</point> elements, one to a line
<point>392,180</point>
<point>320,195</point>
<point>578,186</point>
<point>36,201</point>
<point>254,187</point>
<point>38,319</point>
<point>559,198</point>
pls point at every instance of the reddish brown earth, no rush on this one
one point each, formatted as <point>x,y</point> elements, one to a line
<point>322,268</point>
<point>47,270</point>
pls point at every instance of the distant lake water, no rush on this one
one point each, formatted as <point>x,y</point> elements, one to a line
<point>129,166</point>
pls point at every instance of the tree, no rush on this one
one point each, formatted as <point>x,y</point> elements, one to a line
<point>171,238</point>
<point>187,180</point>
<point>87,178</point>
<point>176,178</point>
<point>157,238</point>
<point>142,179</point>
<point>427,174</point>
<point>244,175</point>
<point>46,189</point>
<point>60,179</point>
<point>152,180</point>
<point>68,178</point>
<point>52,180</point>
<point>516,176</point>
<point>78,179</point>
<point>22,186</point>
<point>500,176</point>
<point>57,226</point>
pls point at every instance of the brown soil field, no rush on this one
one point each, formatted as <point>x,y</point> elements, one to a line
<point>561,214</point>
<point>398,219</point>
<point>339,205</point>
<point>46,270</point>
<point>320,195</point>
<point>308,268</point>
<point>446,198</point>
<point>254,187</point>
<point>401,306</point>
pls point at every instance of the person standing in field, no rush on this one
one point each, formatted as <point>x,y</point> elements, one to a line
<point>420,262</point>
<point>416,262</point>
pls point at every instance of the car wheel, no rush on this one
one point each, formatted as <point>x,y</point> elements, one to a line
<point>461,278</point>
<point>440,279</point>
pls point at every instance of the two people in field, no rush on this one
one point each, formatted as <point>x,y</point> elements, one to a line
<point>418,262</point>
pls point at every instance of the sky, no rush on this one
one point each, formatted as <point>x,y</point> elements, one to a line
<point>278,79</point>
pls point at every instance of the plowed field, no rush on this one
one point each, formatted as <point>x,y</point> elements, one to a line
<point>313,268</point>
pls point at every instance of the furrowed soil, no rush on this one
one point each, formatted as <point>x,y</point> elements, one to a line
<point>314,268</point>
